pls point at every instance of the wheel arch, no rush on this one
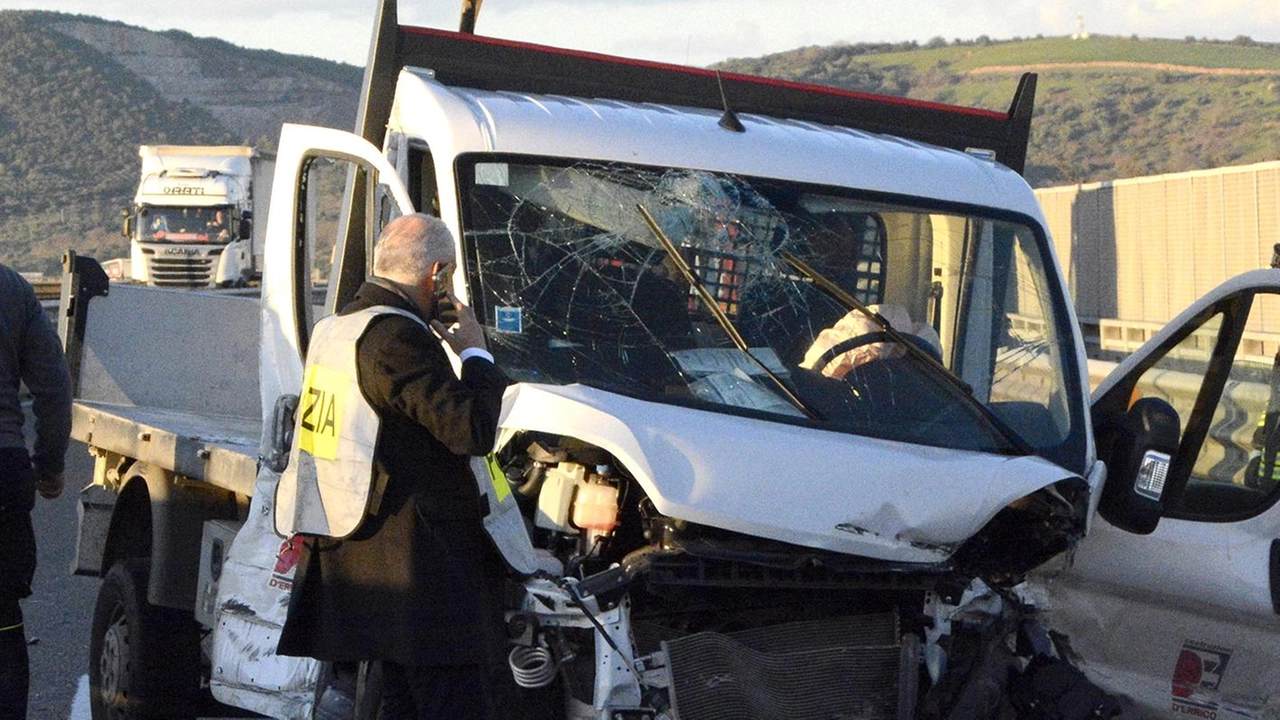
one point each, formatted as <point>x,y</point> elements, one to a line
<point>160,515</point>
<point>129,534</point>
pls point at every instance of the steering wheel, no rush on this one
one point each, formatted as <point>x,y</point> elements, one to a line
<point>848,344</point>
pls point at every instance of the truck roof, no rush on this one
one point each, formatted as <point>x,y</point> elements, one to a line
<point>673,136</point>
<point>199,150</point>
<point>463,60</point>
<point>194,160</point>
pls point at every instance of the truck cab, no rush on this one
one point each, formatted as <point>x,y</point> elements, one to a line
<point>191,224</point>
<point>780,386</point>
<point>799,406</point>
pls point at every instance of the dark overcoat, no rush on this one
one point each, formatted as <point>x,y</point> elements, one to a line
<point>408,586</point>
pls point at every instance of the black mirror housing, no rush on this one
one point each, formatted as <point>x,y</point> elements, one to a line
<point>1146,439</point>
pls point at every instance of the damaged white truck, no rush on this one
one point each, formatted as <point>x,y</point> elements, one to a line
<point>798,397</point>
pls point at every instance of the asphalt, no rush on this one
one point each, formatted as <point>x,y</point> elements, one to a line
<point>60,610</point>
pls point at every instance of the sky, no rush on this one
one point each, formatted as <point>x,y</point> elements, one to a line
<point>689,32</point>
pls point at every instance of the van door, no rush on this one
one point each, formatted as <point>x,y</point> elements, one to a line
<point>332,194</point>
<point>1183,622</point>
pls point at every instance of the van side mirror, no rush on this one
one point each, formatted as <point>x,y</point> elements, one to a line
<point>127,228</point>
<point>245,229</point>
<point>1144,446</point>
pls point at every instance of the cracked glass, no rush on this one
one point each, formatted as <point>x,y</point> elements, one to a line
<point>574,285</point>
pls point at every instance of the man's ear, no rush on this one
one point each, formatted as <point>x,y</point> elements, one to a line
<point>430,281</point>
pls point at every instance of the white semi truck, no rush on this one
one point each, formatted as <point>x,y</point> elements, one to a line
<point>799,400</point>
<point>192,224</point>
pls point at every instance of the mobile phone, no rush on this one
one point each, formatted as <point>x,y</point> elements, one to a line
<point>446,311</point>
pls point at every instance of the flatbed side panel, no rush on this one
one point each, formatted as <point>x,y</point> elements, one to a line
<point>179,350</point>
<point>170,378</point>
<point>220,450</point>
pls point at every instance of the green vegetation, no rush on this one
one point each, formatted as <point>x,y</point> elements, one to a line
<point>71,121</point>
<point>72,117</point>
<point>222,59</point>
<point>1106,107</point>
<point>1098,48</point>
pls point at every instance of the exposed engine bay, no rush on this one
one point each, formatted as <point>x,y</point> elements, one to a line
<point>777,451</point>
<point>651,616</point>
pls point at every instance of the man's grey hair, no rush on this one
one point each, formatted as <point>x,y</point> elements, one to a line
<point>409,246</point>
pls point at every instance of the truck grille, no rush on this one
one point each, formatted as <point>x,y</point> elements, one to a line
<point>851,667</point>
<point>182,272</point>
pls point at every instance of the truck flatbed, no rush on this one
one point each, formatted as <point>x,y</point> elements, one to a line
<point>190,406</point>
<point>218,449</point>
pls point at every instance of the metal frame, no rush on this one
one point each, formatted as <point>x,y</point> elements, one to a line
<point>466,60</point>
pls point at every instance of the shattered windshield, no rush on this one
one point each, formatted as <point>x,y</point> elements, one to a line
<point>575,286</point>
<point>184,224</point>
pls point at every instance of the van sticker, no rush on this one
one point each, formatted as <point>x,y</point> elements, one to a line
<point>286,563</point>
<point>509,319</point>
<point>1197,677</point>
<point>494,174</point>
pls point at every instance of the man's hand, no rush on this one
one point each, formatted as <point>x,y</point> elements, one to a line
<point>50,486</point>
<point>466,333</point>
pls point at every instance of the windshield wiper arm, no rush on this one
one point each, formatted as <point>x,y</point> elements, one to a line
<point>716,311</point>
<point>950,379</point>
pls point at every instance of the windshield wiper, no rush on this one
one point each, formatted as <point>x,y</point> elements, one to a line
<point>717,312</point>
<point>949,379</point>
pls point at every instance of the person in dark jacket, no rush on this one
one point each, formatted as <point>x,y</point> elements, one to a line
<point>30,354</point>
<point>407,588</point>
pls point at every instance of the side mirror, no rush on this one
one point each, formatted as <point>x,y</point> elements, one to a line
<point>127,228</point>
<point>245,229</point>
<point>1143,449</point>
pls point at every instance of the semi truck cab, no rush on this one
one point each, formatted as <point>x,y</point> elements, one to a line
<point>192,220</point>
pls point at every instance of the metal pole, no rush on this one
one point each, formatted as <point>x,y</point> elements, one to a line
<point>470,11</point>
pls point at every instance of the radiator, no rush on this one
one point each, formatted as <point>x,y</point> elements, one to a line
<point>828,669</point>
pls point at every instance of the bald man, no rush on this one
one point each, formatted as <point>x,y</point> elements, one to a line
<point>407,586</point>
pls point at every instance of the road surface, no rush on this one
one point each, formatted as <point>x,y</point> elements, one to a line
<point>60,610</point>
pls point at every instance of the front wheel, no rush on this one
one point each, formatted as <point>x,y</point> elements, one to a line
<point>144,660</point>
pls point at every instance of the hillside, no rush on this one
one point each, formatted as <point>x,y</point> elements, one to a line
<point>78,95</point>
<point>1106,107</point>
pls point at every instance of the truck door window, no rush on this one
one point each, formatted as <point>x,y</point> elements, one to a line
<point>1177,376</point>
<point>1002,321</point>
<point>322,220</point>
<point>422,181</point>
<point>1237,466</point>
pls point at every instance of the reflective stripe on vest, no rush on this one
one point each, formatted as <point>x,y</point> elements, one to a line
<point>325,489</point>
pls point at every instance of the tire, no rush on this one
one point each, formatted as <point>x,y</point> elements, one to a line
<point>144,661</point>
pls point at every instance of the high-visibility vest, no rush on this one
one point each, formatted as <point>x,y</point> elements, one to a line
<point>328,483</point>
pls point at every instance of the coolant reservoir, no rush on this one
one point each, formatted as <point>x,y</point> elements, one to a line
<point>595,506</point>
<point>556,496</point>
